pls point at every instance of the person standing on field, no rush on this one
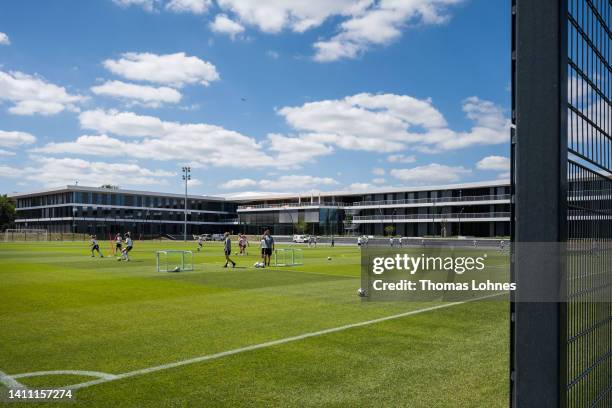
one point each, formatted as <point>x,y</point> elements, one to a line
<point>118,244</point>
<point>95,247</point>
<point>227,250</point>
<point>267,246</point>
<point>129,245</point>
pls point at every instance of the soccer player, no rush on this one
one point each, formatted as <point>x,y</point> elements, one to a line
<point>95,247</point>
<point>243,243</point>
<point>118,244</point>
<point>128,247</point>
<point>227,249</point>
<point>199,243</point>
<point>267,246</point>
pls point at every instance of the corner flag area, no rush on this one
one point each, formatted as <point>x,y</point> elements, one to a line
<point>123,334</point>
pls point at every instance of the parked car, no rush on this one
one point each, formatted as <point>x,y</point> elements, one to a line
<point>300,239</point>
<point>217,237</point>
<point>206,237</point>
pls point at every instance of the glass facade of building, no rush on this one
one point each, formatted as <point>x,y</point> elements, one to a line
<point>476,209</point>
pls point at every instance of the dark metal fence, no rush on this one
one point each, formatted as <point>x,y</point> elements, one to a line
<point>561,353</point>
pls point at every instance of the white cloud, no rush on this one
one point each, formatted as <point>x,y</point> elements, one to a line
<point>389,123</point>
<point>148,5</point>
<point>33,95</point>
<point>496,163</point>
<point>238,183</point>
<point>360,186</point>
<point>154,139</point>
<point>123,123</point>
<point>429,174</point>
<point>4,39</point>
<point>170,69</point>
<point>400,158</point>
<point>272,16</point>
<point>379,180</point>
<point>9,172</point>
<point>189,6</point>
<point>294,150</point>
<point>194,182</point>
<point>378,171</point>
<point>4,152</point>
<point>147,95</point>
<point>361,24</point>
<point>224,25</point>
<point>380,25</point>
<point>15,139</point>
<point>52,172</point>
<point>282,183</point>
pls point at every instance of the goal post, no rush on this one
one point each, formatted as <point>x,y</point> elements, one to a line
<point>26,234</point>
<point>288,257</point>
<point>174,261</point>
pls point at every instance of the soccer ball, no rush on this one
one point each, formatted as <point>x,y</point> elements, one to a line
<point>258,265</point>
<point>329,258</point>
<point>361,292</point>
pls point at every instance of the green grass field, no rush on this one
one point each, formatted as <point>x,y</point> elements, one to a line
<point>60,309</point>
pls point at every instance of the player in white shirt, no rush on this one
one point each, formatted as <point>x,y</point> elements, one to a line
<point>118,244</point>
<point>128,247</point>
<point>199,243</point>
<point>243,243</point>
<point>95,247</point>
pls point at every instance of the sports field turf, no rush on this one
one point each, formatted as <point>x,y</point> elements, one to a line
<point>60,309</point>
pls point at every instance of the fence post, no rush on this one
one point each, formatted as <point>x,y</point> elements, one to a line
<point>537,377</point>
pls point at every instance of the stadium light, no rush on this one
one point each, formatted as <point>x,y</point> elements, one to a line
<point>186,178</point>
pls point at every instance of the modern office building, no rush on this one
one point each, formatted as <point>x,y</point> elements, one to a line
<point>103,211</point>
<point>479,209</point>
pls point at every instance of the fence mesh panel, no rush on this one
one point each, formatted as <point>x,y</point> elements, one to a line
<point>588,312</point>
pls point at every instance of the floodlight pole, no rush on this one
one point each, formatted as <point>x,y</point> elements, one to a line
<point>186,178</point>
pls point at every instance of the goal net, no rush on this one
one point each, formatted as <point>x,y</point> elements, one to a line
<point>174,261</point>
<point>26,235</point>
<point>288,257</point>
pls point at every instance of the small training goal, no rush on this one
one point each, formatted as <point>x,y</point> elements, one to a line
<point>174,261</point>
<point>288,257</point>
<point>26,235</point>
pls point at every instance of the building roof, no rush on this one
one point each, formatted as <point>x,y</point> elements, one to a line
<point>70,188</point>
<point>382,190</point>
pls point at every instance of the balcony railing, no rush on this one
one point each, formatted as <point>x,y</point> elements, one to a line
<point>498,197</point>
<point>291,205</point>
<point>470,199</point>
<point>437,217</point>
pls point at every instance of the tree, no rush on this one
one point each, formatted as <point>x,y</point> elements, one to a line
<point>389,229</point>
<point>7,212</point>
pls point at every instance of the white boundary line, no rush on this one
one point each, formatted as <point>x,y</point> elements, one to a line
<point>265,345</point>
<point>66,372</point>
<point>11,382</point>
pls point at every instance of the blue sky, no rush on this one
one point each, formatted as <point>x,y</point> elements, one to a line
<point>256,96</point>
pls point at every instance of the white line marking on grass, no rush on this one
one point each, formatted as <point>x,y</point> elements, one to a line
<point>10,381</point>
<point>268,344</point>
<point>97,374</point>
